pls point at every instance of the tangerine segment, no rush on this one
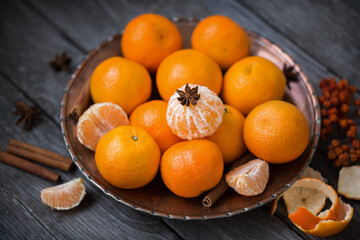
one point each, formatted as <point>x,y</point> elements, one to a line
<point>127,157</point>
<point>195,121</point>
<point>64,196</point>
<point>249,179</point>
<point>190,168</point>
<point>97,120</point>
<point>325,228</point>
<point>222,39</point>
<point>187,66</point>
<point>149,38</point>
<point>152,117</point>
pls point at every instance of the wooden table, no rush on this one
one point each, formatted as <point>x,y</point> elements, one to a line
<point>323,38</point>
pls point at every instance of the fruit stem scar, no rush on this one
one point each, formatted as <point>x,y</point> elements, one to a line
<point>134,137</point>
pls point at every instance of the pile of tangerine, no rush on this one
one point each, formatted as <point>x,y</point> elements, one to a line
<point>190,134</point>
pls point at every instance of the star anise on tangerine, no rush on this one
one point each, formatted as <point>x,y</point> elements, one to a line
<point>26,114</point>
<point>190,95</point>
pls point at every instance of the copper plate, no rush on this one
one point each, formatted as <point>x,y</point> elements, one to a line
<point>155,198</point>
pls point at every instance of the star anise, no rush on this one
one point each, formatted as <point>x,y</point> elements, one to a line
<point>26,114</point>
<point>61,62</point>
<point>188,96</point>
<point>291,74</point>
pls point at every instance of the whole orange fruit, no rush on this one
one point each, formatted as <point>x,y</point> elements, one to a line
<point>151,116</point>
<point>276,131</point>
<point>229,136</point>
<point>222,39</point>
<point>187,66</point>
<point>149,38</point>
<point>127,157</point>
<point>190,168</point>
<point>252,81</point>
<point>120,81</point>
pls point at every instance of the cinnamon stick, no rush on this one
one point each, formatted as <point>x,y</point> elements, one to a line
<point>44,152</point>
<point>22,152</point>
<point>222,186</point>
<point>82,102</point>
<point>28,166</point>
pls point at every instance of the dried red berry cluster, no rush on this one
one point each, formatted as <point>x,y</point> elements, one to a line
<point>343,154</point>
<point>335,105</point>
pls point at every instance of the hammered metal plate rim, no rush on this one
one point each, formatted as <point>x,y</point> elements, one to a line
<point>313,145</point>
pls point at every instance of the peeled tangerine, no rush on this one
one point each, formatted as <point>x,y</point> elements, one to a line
<point>97,120</point>
<point>328,222</point>
<point>194,111</point>
<point>64,196</point>
<point>249,179</point>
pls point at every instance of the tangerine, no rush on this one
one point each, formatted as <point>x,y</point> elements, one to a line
<point>222,39</point>
<point>229,136</point>
<point>127,157</point>
<point>276,131</point>
<point>190,168</point>
<point>194,111</point>
<point>152,117</point>
<point>121,81</point>
<point>252,81</point>
<point>97,120</point>
<point>187,66</point>
<point>149,38</point>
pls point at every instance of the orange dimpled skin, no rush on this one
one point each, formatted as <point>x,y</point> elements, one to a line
<point>152,117</point>
<point>149,38</point>
<point>222,39</point>
<point>229,136</point>
<point>120,81</point>
<point>252,81</point>
<point>187,66</point>
<point>190,168</point>
<point>127,157</point>
<point>276,131</point>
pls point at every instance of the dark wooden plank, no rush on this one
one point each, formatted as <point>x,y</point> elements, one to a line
<point>326,29</point>
<point>256,224</point>
<point>27,44</point>
<point>12,211</point>
<point>98,215</point>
